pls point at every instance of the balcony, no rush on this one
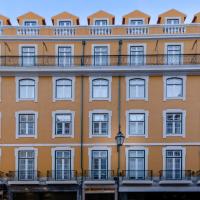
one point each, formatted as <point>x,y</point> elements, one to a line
<point>174,29</point>
<point>23,177</point>
<point>64,31</point>
<point>137,30</point>
<point>105,177</point>
<point>28,31</point>
<point>137,177</point>
<point>175,177</point>
<point>62,177</point>
<point>100,30</point>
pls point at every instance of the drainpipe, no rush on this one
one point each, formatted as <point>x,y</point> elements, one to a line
<point>119,52</point>
<point>83,53</point>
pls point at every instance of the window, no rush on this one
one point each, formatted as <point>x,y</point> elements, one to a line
<point>136,22</point>
<point>173,21</point>
<point>62,165</point>
<point>26,124</point>
<point>174,88</point>
<point>65,23</point>
<point>100,89</point>
<point>30,23</point>
<point>174,56</point>
<point>137,88</point>
<point>101,22</point>
<point>173,164</point>
<point>100,124</point>
<point>64,56</point>
<point>26,89</point>
<point>137,56</point>
<point>28,56</point>
<point>99,168</point>
<point>63,90</point>
<point>137,124</point>
<point>26,165</point>
<point>136,164</point>
<point>174,123</point>
<point>63,124</point>
<point>100,56</point>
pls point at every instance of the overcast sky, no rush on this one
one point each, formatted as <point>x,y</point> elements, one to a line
<point>83,8</point>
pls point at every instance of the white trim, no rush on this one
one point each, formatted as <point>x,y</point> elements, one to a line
<point>17,79</point>
<point>30,20</point>
<point>184,78</point>
<point>137,148</point>
<point>67,19</point>
<point>53,150</point>
<point>146,85</point>
<point>54,79</point>
<point>25,149</point>
<point>94,20</point>
<point>109,112</point>
<point>135,45</point>
<point>53,123</point>
<point>174,148</point>
<point>146,118</point>
<point>183,112</point>
<point>109,89</point>
<point>130,19</point>
<point>17,123</point>
<point>100,45</point>
<point>179,18</point>
<point>102,148</point>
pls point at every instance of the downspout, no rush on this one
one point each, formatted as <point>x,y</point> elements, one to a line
<point>119,53</point>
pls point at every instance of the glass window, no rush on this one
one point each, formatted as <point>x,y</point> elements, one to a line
<point>173,21</point>
<point>65,23</point>
<point>101,22</point>
<point>64,56</point>
<point>26,165</point>
<point>63,124</point>
<point>62,165</point>
<point>174,87</point>
<point>137,88</point>
<point>174,54</point>
<point>100,88</point>
<point>28,56</point>
<point>136,55</point>
<point>100,55</point>
<point>100,124</point>
<point>63,89</point>
<point>99,164</point>
<point>136,124</point>
<point>173,123</point>
<point>30,23</point>
<point>26,124</point>
<point>136,22</point>
<point>27,89</point>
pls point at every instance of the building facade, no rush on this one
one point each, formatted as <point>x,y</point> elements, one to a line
<point>67,89</point>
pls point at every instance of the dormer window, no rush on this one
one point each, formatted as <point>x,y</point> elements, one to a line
<point>1,23</point>
<point>101,22</point>
<point>65,23</point>
<point>30,23</point>
<point>136,22</point>
<point>173,21</point>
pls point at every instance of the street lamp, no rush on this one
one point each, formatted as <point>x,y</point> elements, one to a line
<point>119,140</point>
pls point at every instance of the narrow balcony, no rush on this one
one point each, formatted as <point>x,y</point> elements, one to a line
<point>28,31</point>
<point>23,177</point>
<point>174,29</point>
<point>175,177</point>
<point>99,177</point>
<point>64,31</point>
<point>62,177</point>
<point>137,177</point>
<point>100,30</point>
<point>137,30</point>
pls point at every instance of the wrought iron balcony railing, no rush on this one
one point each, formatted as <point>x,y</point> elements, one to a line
<point>110,60</point>
<point>175,175</point>
<point>61,175</point>
<point>99,175</point>
<point>23,175</point>
<point>137,174</point>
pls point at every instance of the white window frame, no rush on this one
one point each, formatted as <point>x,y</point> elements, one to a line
<point>53,150</point>
<point>179,18</point>
<point>65,45</point>
<point>174,43</point>
<point>54,79</point>
<point>146,115</point>
<point>138,148</point>
<point>17,123</point>
<point>183,112</point>
<point>130,19</point>
<point>67,19</point>
<point>100,45</point>
<point>146,79</point>
<point>109,79</point>
<point>17,80</point>
<point>30,20</point>
<point>109,112</point>
<point>135,45</point>
<point>184,78</point>
<point>25,149</point>
<point>101,148</point>
<point>54,126</point>
<point>94,21</point>
<point>164,149</point>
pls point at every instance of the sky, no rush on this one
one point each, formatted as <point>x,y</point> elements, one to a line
<point>83,8</point>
